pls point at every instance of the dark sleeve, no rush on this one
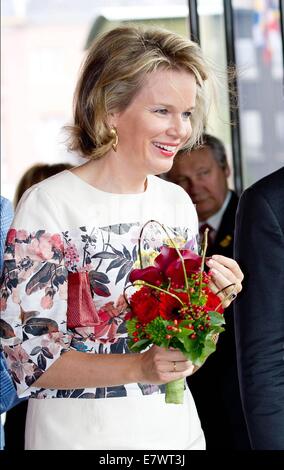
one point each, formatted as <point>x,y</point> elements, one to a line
<point>259,320</point>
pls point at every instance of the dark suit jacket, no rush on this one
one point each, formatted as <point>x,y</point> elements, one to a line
<point>259,310</point>
<point>215,386</point>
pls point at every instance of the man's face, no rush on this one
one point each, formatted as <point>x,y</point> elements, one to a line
<point>203,179</point>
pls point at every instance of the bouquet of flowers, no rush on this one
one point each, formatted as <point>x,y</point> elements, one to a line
<point>174,307</point>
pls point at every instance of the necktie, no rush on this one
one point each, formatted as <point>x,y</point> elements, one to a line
<point>211,234</point>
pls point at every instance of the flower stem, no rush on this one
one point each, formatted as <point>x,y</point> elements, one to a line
<point>144,283</point>
<point>182,262</point>
<point>175,392</point>
<point>174,245</point>
<point>204,249</point>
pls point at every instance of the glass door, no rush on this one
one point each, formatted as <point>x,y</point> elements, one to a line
<point>259,60</point>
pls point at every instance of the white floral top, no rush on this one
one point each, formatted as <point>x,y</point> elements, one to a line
<point>64,228</point>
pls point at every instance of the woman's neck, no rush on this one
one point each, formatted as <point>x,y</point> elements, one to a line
<point>107,174</point>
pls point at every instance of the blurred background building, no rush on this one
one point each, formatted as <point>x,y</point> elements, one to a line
<point>44,41</point>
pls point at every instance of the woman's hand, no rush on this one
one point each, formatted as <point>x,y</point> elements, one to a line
<point>227,278</point>
<point>160,365</point>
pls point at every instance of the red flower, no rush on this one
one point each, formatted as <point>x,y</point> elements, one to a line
<point>213,301</point>
<point>169,306</point>
<point>166,257</point>
<point>145,305</point>
<point>168,265</point>
<point>192,263</point>
<point>149,274</point>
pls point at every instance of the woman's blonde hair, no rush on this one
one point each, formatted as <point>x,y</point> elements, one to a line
<point>114,71</point>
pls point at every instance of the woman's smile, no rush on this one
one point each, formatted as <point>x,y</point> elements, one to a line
<point>166,149</point>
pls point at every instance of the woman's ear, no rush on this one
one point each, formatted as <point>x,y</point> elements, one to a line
<point>112,119</point>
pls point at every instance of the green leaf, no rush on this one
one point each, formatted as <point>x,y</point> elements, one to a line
<point>177,344</point>
<point>186,331</point>
<point>215,329</point>
<point>216,318</point>
<point>192,348</point>
<point>207,350</point>
<point>140,345</point>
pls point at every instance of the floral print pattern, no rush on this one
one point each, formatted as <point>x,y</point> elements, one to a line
<point>34,285</point>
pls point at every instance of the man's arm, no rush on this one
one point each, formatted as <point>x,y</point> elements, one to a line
<point>259,320</point>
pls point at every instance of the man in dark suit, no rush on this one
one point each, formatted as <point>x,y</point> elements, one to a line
<point>259,311</point>
<point>204,173</point>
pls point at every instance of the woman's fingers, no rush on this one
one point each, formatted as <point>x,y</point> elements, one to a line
<point>226,278</point>
<point>230,264</point>
<point>226,274</point>
<point>176,366</point>
<point>164,365</point>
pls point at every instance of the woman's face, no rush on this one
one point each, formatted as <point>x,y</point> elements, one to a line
<point>157,122</point>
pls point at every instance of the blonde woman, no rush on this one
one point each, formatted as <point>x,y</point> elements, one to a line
<point>139,99</point>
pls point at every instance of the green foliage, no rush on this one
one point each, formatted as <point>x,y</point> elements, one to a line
<point>196,348</point>
<point>140,345</point>
<point>216,318</point>
<point>157,331</point>
<point>131,326</point>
